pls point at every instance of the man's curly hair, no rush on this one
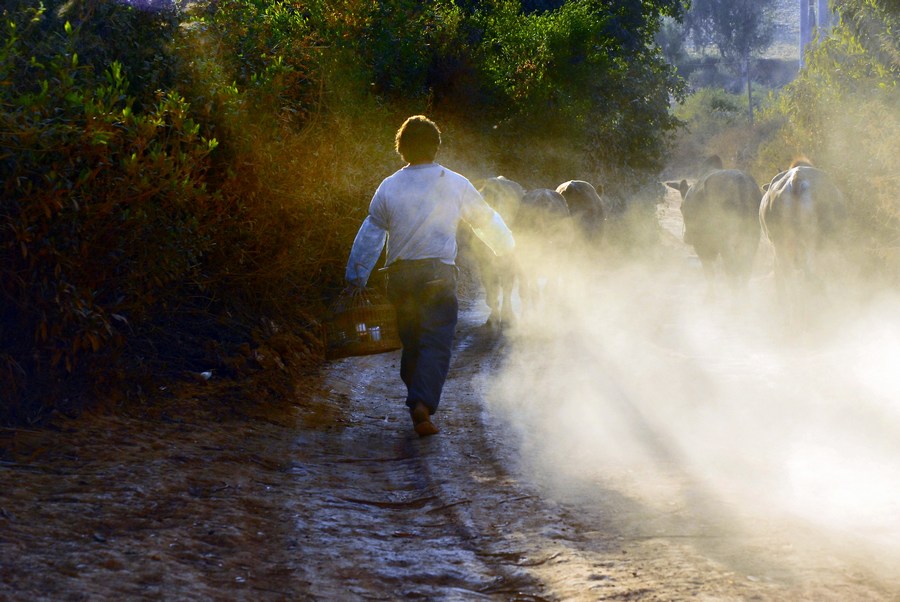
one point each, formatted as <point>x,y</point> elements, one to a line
<point>418,139</point>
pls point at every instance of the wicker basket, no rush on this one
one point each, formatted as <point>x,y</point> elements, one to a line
<point>361,322</point>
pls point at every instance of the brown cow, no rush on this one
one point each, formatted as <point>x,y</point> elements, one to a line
<point>585,207</point>
<point>721,219</point>
<point>497,274</point>
<point>804,216</point>
<point>542,231</point>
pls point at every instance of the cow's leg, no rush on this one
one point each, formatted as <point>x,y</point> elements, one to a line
<point>528,293</point>
<point>492,292</point>
<point>707,257</point>
<point>709,274</point>
<point>487,275</point>
<point>507,284</point>
<point>737,265</point>
<point>812,268</point>
<point>790,286</point>
<point>781,270</point>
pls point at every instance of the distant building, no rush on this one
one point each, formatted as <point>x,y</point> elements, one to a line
<point>815,15</point>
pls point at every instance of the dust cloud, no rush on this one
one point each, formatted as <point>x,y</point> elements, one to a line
<point>630,380</point>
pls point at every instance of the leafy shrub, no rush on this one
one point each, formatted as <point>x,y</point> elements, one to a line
<point>252,57</point>
<point>585,71</point>
<point>842,113</point>
<point>705,114</point>
<point>176,183</point>
<point>103,210</point>
<point>102,32</point>
<point>397,45</point>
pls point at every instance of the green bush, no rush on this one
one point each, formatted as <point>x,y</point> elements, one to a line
<point>843,113</point>
<point>582,71</point>
<point>252,57</point>
<point>103,210</point>
<point>178,184</point>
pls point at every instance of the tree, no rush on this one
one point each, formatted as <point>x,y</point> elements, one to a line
<point>874,24</point>
<point>843,112</point>
<point>589,66</point>
<point>670,39</point>
<point>737,28</point>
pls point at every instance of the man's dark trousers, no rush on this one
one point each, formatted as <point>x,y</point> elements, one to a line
<point>424,294</point>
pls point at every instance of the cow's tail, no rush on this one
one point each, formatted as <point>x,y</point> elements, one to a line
<point>798,185</point>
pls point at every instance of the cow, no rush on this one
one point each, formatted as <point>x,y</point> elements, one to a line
<point>803,215</point>
<point>543,210</point>
<point>585,207</point>
<point>542,233</point>
<point>497,274</point>
<point>721,220</point>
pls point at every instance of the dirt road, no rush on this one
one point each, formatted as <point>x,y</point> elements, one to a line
<point>459,516</point>
<point>341,501</point>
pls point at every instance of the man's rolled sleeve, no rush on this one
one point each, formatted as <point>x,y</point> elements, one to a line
<point>365,252</point>
<point>495,234</point>
<point>487,223</point>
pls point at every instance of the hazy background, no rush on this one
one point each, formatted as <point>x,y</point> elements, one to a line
<point>630,381</point>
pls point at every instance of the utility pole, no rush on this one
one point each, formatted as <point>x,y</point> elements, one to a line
<point>824,18</point>
<point>815,19</point>
<point>807,22</point>
<point>749,90</point>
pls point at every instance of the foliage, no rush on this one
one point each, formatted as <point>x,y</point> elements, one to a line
<point>258,55</point>
<point>710,110</point>
<point>873,24</point>
<point>671,41</point>
<point>715,122</point>
<point>737,28</point>
<point>102,207</point>
<point>254,77</point>
<point>596,79</point>
<point>184,182</point>
<point>398,45</point>
<point>843,112</point>
<point>586,69</point>
<point>101,33</point>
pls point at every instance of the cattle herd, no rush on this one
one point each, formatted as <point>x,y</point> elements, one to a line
<point>800,212</point>
<point>544,221</point>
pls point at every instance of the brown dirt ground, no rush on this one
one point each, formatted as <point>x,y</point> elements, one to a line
<point>332,497</point>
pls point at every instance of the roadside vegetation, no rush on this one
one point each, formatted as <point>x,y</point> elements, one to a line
<point>182,181</point>
<point>841,111</point>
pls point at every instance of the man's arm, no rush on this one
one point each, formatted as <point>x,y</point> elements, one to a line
<point>495,233</point>
<point>486,222</point>
<point>365,252</point>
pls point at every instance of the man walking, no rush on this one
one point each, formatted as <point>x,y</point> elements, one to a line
<point>417,211</point>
